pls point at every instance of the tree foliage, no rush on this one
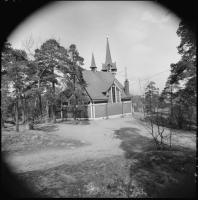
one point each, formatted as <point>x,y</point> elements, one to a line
<point>185,70</point>
<point>154,119</point>
<point>181,85</point>
<point>14,64</point>
<point>32,85</point>
<point>151,97</point>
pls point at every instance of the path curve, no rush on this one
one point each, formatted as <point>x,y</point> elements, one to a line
<point>98,134</point>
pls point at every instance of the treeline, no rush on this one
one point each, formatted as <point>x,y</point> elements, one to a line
<point>176,106</point>
<point>34,81</point>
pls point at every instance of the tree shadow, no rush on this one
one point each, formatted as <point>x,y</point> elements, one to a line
<point>161,173</point>
<point>47,128</point>
<point>132,142</point>
<point>8,129</point>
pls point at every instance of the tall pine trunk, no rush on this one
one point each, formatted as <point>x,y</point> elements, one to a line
<point>40,102</point>
<point>23,116</point>
<point>54,107</point>
<point>17,115</point>
<point>74,97</point>
<point>171,100</point>
<point>2,121</point>
<point>47,111</point>
<point>62,111</point>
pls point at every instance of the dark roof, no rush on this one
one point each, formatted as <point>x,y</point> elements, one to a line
<point>100,82</point>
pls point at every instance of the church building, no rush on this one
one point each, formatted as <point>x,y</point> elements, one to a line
<point>109,98</point>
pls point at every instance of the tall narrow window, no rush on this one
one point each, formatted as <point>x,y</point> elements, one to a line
<point>117,95</point>
<point>109,94</point>
<point>113,94</point>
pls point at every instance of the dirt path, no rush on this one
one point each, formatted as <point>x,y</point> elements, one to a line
<point>99,135</point>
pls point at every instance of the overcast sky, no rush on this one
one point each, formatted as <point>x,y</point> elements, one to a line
<point>141,36</point>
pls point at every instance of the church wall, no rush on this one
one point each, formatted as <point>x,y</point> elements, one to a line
<point>127,107</point>
<point>114,109</point>
<point>111,109</point>
<point>100,110</point>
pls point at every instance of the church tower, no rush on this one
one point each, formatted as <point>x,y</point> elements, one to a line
<point>93,64</point>
<point>109,66</point>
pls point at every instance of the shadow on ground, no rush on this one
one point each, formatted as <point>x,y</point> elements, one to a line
<point>132,142</point>
<point>162,174</point>
<point>47,128</point>
<point>8,129</point>
<point>158,174</point>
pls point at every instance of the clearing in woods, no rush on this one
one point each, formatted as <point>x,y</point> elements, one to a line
<point>103,158</point>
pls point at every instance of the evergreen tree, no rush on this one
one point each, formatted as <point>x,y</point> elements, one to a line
<point>14,64</point>
<point>183,77</point>
<point>185,69</point>
<point>77,82</point>
<point>151,98</point>
<point>51,58</point>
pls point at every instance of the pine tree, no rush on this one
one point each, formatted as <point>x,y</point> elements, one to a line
<point>14,64</point>
<point>151,98</point>
<point>52,58</point>
<point>185,70</point>
<point>76,78</point>
<point>183,76</point>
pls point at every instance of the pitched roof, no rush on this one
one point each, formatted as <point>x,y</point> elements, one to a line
<point>93,64</point>
<point>100,82</point>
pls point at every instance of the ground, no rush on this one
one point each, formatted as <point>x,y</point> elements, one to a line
<point>103,158</point>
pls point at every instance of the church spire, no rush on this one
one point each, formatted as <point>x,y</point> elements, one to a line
<point>93,64</point>
<point>109,66</point>
<point>108,53</point>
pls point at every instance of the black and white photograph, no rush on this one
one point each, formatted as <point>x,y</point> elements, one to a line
<point>98,99</point>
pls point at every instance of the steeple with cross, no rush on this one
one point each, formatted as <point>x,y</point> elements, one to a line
<point>109,66</point>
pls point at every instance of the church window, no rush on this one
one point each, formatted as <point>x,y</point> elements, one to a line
<point>114,95</point>
<point>118,95</point>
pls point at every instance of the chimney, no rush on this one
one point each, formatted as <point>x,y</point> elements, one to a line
<point>126,83</point>
<point>126,87</point>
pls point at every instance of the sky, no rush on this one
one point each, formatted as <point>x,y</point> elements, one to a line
<point>141,36</point>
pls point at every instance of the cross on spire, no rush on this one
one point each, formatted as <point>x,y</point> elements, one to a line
<point>108,65</point>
